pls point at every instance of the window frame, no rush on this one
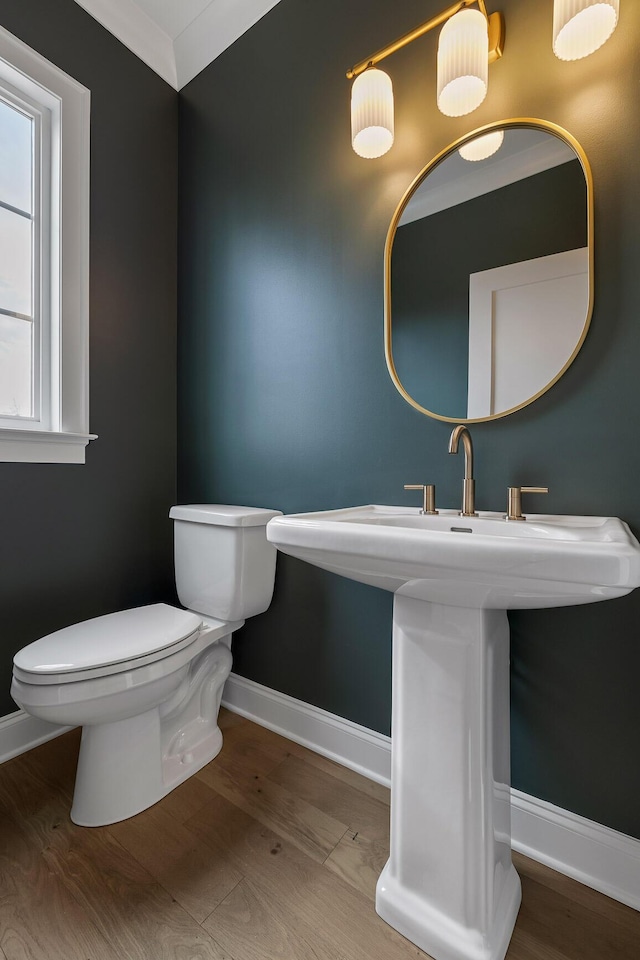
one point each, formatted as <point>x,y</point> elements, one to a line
<point>40,219</point>
<point>60,432</point>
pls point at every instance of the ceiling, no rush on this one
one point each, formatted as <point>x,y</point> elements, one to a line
<point>173,16</point>
<point>177,38</point>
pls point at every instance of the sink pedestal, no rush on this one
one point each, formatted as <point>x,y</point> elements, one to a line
<point>449,885</point>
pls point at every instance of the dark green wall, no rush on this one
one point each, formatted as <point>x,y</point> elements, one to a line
<point>434,256</point>
<point>81,540</point>
<point>286,402</point>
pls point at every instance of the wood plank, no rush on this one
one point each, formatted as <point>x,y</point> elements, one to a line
<point>256,925</point>
<point>39,919</point>
<point>375,790</point>
<point>47,924</point>
<point>311,892</point>
<point>558,927</point>
<point>340,800</point>
<point>243,751</point>
<point>56,760</point>
<point>311,830</point>
<point>196,876</point>
<point>283,747</point>
<point>269,741</point>
<point>28,788</point>
<point>525,946</point>
<point>133,912</point>
<point>359,861</point>
<point>227,719</point>
<point>598,903</point>
<point>86,874</point>
<point>186,800</point>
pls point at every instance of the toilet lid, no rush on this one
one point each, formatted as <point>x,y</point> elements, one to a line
<point>110,640</point>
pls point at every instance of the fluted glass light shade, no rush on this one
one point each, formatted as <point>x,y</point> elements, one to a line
<point>372,113</point>
<point>581,26</point>
<point>463,63</point>
<point>482,147</point>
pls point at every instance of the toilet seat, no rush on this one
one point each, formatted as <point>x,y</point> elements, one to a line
<point>111,644</point>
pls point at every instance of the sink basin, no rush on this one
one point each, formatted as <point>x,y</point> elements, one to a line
<point>449,885</point>
<point>483,561</point>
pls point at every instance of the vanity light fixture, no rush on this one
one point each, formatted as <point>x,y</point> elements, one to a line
<point>482,147</point>
<point>463,63</point>
<point>372,113</point>
<point>469,41</point>
<point>580,27</point>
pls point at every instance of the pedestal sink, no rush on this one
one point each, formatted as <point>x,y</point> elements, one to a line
<point>449,884</point>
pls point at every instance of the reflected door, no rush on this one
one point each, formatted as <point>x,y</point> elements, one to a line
<point>524,322</point>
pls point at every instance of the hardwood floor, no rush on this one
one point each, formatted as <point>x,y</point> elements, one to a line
<point>270,851</point>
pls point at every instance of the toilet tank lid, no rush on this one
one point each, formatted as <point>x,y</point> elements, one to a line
<point>113,638</point>
<point>223,515</point>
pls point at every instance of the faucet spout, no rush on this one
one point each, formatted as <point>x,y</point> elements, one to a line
<point>468,484</point>
<point>457,432</point>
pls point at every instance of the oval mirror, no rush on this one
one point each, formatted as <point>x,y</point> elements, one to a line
<point>489,272</point>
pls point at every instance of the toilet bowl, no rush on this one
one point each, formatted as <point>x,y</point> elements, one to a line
<point>145,684</point>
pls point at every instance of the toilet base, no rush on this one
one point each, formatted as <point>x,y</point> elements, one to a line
<point>126,766</point>
<point>114,782</point>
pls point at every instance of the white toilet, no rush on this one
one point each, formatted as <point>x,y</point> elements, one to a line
<point>145,684</point>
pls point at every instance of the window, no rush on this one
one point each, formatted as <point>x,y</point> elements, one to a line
<point>44,259</point>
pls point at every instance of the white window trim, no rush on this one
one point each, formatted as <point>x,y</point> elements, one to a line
<point>69,102</point>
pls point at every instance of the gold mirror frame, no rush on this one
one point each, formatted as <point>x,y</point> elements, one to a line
<point>498,125</point>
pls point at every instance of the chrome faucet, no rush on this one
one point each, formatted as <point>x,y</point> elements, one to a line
<point>468,484</point>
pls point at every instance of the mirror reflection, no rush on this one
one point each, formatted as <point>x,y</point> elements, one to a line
<point>490,275</point>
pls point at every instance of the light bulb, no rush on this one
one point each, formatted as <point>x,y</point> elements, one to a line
<point>372,113</point>
<point>581,26</point>
<point>483,147</point>
<point>463,63</point>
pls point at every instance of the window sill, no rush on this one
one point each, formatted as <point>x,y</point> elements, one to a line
<point>41,446</point>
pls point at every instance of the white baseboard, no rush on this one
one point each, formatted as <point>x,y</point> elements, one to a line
<point>595,855</point>
<point>349,744</point>
<point>20,732</point>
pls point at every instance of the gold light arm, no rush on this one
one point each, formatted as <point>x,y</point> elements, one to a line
<point>496,36</point>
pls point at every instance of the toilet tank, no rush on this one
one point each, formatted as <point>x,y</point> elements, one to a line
<point>224,564</point>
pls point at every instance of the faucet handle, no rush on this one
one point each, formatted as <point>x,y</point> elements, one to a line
<point>514,503</point>
<point>428,496</point>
